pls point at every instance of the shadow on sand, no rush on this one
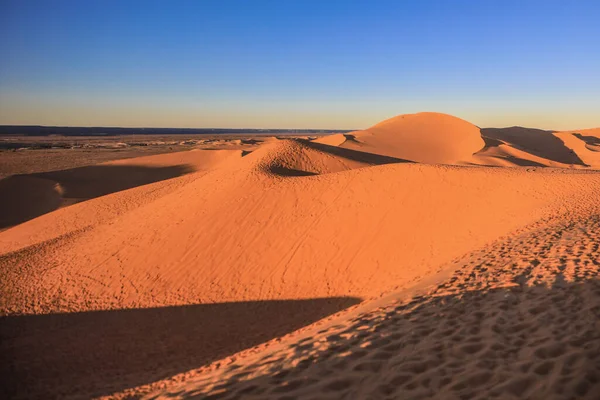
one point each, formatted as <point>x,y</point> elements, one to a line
<point>284,171</point>
<point>521,162</point>
<point>340,153</point>
<point>24,197</point>
<point>589,140</point>
<point>489,142</point>
<point>98,353</point>
<point>354,155</point>
<point>520,342</point>
<point>535,141</point>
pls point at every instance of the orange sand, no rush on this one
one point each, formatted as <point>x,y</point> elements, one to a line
<point>476,281</point>
<point>425,137</point>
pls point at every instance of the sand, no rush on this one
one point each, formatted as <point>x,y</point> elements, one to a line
<point>584,143</point>
<point>517,319</point>
<point>396,262</point>
<point>431,138</point>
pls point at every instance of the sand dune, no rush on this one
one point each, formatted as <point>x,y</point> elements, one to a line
<point>518,319</point>
<point>435,138</point>
<point>303,229</point>
<point>586,144</point>
<point>504,155</point>
<point>25,197</point>
<point>424,137</point>
<point>306,239</point>
<point>590,136</point>
<point>519,146</point>
<point>331,140</point>
<point>304,157</point>
<point>110,351</point>
<point>543,144</point>
<point>198,160</point>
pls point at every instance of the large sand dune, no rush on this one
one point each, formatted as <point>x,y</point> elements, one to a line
<point>517,320</point>
<point>176,271</point>
<point>424,137</point>
<point>241,233</point>
<point>436,138</point>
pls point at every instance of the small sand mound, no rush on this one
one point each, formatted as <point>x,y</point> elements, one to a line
<point>299,157</point>
<point>331,140</point>
<point>424,137</point>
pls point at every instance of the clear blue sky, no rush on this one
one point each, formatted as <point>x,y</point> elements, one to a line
<point>306,64</point>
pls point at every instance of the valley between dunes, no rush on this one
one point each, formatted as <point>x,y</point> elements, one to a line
<point>421,258</point>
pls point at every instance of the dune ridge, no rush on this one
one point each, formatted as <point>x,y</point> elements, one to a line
<point>436,138</point>
<point>281,240</point>
<point>431,138</point>
<point>399,216</point>
<point>28,196</point>
<point>517,319</point>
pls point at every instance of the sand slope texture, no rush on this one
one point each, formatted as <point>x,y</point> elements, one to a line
<point>395,262</point>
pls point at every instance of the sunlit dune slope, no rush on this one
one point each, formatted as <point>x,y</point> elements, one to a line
<point>518,319</point>
<point>254,242</point>
<point>199,160</point>
<point>435,138</point>
<point>424,137</point>
<point>332,140</point>
<point>23,197</point>
<point>303,157</point>
<point>247,231</point>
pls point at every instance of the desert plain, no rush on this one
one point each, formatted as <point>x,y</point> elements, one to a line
<point>424,257</point>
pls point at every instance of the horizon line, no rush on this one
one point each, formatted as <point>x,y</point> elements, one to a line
<point>3,126</point>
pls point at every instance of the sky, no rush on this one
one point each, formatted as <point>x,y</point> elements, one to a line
<point>298,63</point>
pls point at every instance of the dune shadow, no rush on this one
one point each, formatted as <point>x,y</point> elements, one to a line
<point>497,343</point>
<point>284,171</point>
<point>24,197</point>
<point>535,141</point>
<point>354,155</point>
<point>351,138</point>
<point>521,162</point>
<point>490,142</point>
<point>590,140</point>
<point>98,353</point>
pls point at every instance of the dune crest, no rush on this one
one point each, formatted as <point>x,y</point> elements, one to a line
<point>332,140</point>
<point>302,157</point>
<point>199,248</point>
<point>225,240</point>
<point>425,137</point>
